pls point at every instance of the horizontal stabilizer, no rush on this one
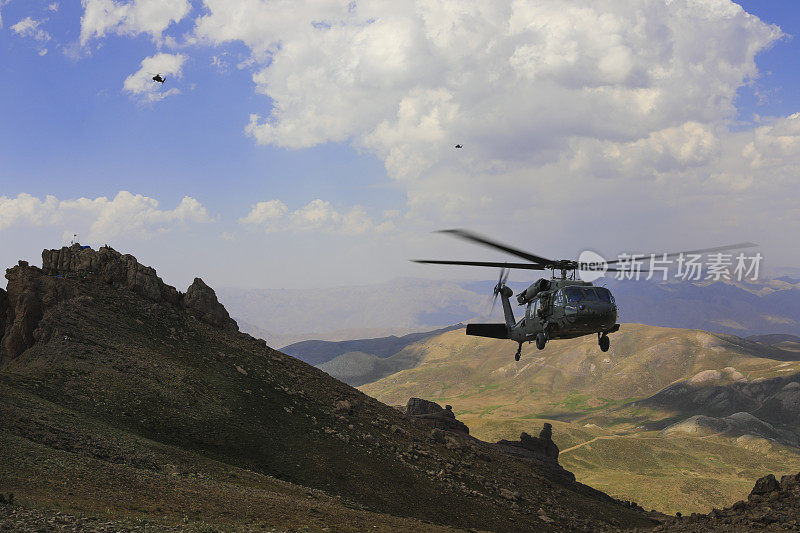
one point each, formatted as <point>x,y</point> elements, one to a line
<point>494,331</point>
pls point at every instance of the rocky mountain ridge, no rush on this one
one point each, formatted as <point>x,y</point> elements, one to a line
<point>32,291</point>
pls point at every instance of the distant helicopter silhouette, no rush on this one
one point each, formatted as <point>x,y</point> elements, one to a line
<point>459,146</point>
<point>159,79</point>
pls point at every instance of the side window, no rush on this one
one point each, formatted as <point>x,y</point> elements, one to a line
<point>535,308</point>
<point>559,299</point>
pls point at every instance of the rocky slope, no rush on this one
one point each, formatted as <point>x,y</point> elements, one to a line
<point>120,395</point>
<point>771,506</point>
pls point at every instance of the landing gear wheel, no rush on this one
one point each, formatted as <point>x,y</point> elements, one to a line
<point>541,340</point>
<point>604,343</point>
<point>519,352</point>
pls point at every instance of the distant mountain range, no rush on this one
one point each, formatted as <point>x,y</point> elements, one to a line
<point>399,307</point>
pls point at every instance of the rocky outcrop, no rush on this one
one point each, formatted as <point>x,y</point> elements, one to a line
<point>432,414</point>
<point>539,447</point>
<point>112,267</point>
<point>32,292</point>
<point>201,302</point>
<point>765,485</point>
<point>3,310</point>
<point>771,505</point>
<point>28,295</point>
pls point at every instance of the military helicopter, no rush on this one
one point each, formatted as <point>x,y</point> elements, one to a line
<point>159,78</point>
<point>562,307</point>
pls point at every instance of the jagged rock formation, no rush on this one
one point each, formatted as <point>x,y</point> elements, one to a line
<point>432,414</point>
<point>112,267</point>
<point>771,506</point>
<point>541,452</point>
<point>541,446</point>
<point>201,302</point>
<point>32,292</point>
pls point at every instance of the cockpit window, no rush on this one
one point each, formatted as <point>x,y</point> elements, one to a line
<point>585,294</point>
<point>604,295</point>
<point>559,299</point>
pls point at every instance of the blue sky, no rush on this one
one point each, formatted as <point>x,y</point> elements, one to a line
<point>365,110</point>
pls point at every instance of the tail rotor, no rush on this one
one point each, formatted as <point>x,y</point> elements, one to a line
<point>501,284</point>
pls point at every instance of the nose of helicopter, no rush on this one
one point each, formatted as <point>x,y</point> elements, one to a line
<point>595,315</point>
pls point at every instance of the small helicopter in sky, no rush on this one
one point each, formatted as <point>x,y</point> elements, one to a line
<point>562,307</point>
<point>159,78</point>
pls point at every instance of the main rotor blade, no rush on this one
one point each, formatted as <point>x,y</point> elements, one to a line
<point>468,235</point>
<point>695,252</point>
<point>525,266</point>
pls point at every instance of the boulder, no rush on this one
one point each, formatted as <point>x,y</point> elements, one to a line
<point>765,485</point>
<point>432,414</point>
<point>418,406</point>
<point>201,302</point>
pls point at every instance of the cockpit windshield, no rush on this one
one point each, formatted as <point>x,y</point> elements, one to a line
<point>604,295</point>
<point>587,294</point>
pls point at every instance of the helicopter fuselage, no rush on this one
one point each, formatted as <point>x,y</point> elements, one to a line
<point>554,309</point>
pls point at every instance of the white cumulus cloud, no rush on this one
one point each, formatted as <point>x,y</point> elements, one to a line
<point>29,27</point>
<point>130,18</point>
<point>132,215</point>
<point>318,215</point>
<point>140,84</point>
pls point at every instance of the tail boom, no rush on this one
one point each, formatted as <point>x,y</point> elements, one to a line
<point>492,331</point>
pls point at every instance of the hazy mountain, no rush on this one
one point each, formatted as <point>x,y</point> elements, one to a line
<point>779,340</point>
<point>317,352</point>
<point>403,306</point>
<point>397,307</point>
<point>121,396</point>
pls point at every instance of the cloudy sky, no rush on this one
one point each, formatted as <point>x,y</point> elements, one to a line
<point>312,143</point>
